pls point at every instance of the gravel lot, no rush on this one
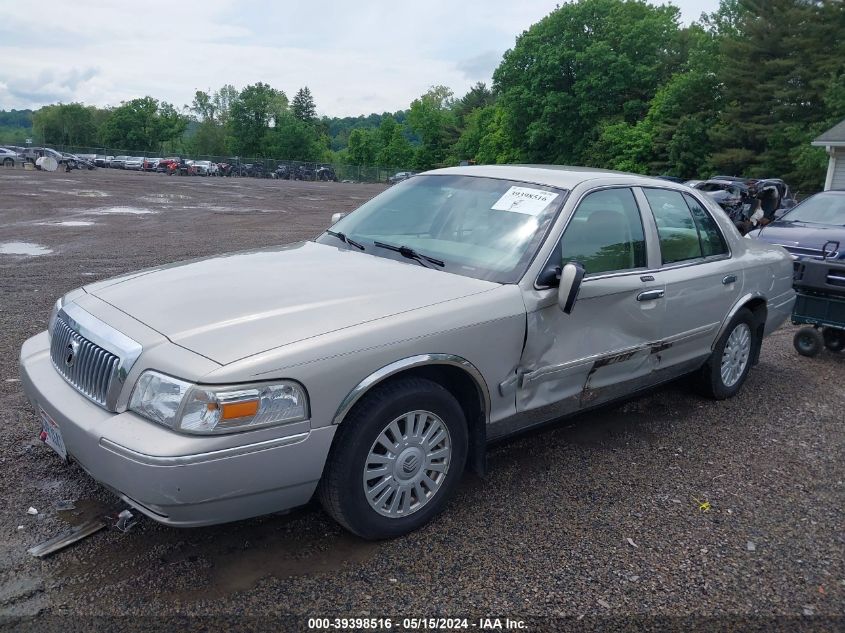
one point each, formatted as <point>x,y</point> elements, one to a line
<point>595,516</point>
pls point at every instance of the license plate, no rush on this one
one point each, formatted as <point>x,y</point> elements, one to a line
<point>53,437</point>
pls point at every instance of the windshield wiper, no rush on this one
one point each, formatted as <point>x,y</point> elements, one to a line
<point>410,253</point>
<point>347,240</point>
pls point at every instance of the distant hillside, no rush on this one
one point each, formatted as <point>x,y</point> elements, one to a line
<point>15,125</point>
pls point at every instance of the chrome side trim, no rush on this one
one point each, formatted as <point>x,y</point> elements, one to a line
<point>407,363</point>
<point>198,458</point>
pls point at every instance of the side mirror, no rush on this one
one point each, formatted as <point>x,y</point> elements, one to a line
<point>337,217</point>
<point>570,283</point>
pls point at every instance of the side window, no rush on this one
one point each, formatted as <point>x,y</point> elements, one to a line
<point>605,233</point>
<point>712,241</point>
<point>675,226</point>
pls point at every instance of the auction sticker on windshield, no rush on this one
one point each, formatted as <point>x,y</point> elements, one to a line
<point>524,200</point>
<point>52,435</point>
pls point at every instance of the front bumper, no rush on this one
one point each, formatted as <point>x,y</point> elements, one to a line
<point>210,484</point>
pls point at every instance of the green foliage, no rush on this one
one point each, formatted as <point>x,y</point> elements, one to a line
<point>609,83</point>
<point>66,124</point>
<point>432,119</point>
<point>786,58</point>
<point>256,108</point>
<point>303,106</point>
<point>582,65</point>
<point>142,125</point>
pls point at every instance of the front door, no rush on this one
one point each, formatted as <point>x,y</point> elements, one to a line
<point>602,349</point>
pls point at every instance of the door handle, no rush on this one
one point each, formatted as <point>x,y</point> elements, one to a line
<point>729,279</point>
<point>650,295</point>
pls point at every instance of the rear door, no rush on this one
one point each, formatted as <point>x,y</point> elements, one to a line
<point>701,278</point>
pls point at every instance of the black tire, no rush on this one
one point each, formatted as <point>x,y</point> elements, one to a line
<point>709,382</point>
<point>8,162</point>
<point>808,341</point>
<point>834,339</point>
<point>341,489</point>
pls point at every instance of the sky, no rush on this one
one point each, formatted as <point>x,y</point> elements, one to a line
<point>356,57</point>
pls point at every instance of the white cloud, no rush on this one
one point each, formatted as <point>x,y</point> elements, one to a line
<point>356,58</point>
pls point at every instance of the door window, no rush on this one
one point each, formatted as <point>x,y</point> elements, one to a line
<point>605,233</point>
<point>712,242</point>
<point>677,230</point>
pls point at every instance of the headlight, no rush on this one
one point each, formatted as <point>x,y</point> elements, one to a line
<point>53,316</point>
<point>207,409</point>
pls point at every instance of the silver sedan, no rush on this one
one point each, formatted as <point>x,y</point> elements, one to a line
<point>372,365</point>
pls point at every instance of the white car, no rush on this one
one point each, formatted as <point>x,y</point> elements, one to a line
<point>205,168</point>
<point>135,163</point>
<point>8,158</point>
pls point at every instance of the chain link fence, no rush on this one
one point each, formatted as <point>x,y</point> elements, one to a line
<point>256,167</point>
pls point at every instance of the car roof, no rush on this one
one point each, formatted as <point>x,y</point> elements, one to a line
<point>562,176</point>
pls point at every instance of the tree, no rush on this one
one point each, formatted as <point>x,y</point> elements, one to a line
<point>142,125</point>
<point>256,108</point>
<point>363,147</point>
<point>584,64</point>
<point>302,106</point>
<point>784,55</point>
<point>432,119</point>
<point>66,124</point>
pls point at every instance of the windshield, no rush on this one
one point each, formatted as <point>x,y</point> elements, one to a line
<point>478,227</point>
<point>823,208</point>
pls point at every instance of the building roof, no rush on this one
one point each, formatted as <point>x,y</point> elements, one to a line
<point>835,136</point>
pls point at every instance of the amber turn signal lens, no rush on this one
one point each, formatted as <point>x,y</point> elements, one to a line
<point>233,410</point>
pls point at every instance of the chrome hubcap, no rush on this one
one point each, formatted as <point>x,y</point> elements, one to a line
<point>407,464</point>
<point>735,356</point>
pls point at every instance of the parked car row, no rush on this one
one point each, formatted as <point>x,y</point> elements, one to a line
<point>12,155</point>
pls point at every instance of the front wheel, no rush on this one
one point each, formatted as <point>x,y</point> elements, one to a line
<point>727,368</point>
<point>396,459</point>
<point>8,162</point>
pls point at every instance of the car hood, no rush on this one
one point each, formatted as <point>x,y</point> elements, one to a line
<point>802,234</point>
<point>233,306</point>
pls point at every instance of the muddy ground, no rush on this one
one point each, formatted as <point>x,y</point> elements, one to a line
<point>596,516</point>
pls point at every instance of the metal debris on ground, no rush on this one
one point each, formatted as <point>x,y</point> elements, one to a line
<point>631,542</point>
<point>751,546</point>
<point>125,521</point>
<point>66,504</point>
<point>68,537</point>
<point>32,511</point>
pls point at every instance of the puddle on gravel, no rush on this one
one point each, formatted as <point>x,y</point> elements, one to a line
<point>86,509</point>
<point>123,211</point>
<point>163,198</point>
<point>67,223</point>
<point>24,248</point>
<point>91,194</point>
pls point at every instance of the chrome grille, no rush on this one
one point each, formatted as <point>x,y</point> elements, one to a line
<point>86,366</point>
<point>812,253</point>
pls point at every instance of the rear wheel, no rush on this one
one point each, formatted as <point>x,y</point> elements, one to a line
<point>808,341</point>
<point>725,372</point>
<point>395,459</point>
<point>8,162</point>
<point>834,339</point>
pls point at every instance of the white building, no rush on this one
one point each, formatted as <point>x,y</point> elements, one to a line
<point>834,142</point>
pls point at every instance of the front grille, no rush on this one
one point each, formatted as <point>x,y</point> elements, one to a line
<point>86,366</point>
<point>812,253</point>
